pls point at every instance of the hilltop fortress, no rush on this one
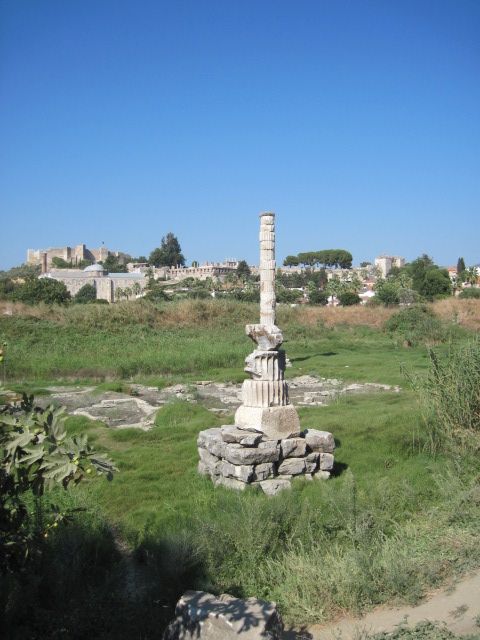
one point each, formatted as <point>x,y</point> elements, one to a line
<point>75,255</point>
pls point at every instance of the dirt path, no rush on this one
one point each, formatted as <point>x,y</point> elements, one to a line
<point>458,608</point>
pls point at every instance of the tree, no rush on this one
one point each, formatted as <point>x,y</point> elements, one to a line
<point>349,298</point>
<point>60,263</point>
<point>136,289</point>
<point>317,297</point>
<point>291,261</point>
<point>127,292</point>
<point>436,284</point>
<point>169,254</point>
<point>365,264</point>
<point>460,268</point>
<point>113,265</point>
<point>47,290</point>
<point>119,293</point>
<point>86,294</point>
<point>243,270</point>
<point>470,275</point>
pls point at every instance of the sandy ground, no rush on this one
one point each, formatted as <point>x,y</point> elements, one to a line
<point>458,607</point>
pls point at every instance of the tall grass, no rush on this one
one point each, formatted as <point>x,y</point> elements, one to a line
<point>450,395</point>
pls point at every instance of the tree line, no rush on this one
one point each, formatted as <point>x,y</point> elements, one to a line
<point>339,258</point>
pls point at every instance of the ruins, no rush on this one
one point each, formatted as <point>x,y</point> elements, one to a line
<point>265,446</point>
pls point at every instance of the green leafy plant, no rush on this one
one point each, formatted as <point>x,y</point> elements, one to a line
<point>37,455</point>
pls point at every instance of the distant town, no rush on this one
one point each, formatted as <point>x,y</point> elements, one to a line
<point>322,277</point>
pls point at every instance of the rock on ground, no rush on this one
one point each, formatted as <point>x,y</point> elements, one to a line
<point>203,616</point>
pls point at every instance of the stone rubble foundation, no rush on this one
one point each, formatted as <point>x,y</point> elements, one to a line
<point>236,456</point>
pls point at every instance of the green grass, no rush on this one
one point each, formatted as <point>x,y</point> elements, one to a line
<point>385,528</point>
<point>42,351</point>
<point>391,523</point>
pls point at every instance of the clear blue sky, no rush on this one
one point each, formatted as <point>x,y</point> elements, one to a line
<point>357,121</point>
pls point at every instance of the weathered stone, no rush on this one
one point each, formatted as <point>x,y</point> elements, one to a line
<point>274,485</point>
<point>292,466</point>
<point>208,434</point>
<point>212,462</point>
<point>319,440</point>
<point>242,472</point>
<point>247,438</point>
<point>263,471</point>
<point>293,447</point>
<point>203,469</point>
<point>326,462</point>
<point>311,462</point>
<point>211,440</point>
<point>230,483</point>
<point>268,337</point>
<point>265,365</point>
<point>321,475</point>
<point>236,454</point>
<point>264,393</point>
<point>275,422</point>
<point>203,616</point>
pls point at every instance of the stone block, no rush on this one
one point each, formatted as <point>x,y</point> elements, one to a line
<point>210,461</point>
<point>245,437</point>
<point>211,440</point>
<point>242,472</point>
<point>274,485</point>
<point>275,422</point>
<point>263,471</point>
<point>326,462</point>
<point>230,483</point>
<point>311,462</point>
<point>292,466</point>
<point>293,447</point>
<point>321,475</point>
<point>206,435</point>
<point>321,441</point>
<point>237,454</point>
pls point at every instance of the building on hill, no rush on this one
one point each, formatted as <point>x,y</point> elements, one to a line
<point>74,255</point>
<point>385,263</point>
<point>109,286</point>
<point>201,272</point>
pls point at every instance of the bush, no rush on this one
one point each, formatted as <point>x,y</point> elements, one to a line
<point>416,325</point>
<point>349,298</point>
<point>451,398</point>
<point>86,294</point>
<point>472,293</point>
<point>36,455</point>
<point>318,297</point>
<point>47,290</point>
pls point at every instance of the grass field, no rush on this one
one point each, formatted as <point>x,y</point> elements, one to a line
<point>392,522</point>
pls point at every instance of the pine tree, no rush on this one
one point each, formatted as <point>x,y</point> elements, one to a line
<point>169,254</point>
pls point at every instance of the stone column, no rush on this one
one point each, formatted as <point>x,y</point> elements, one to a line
<point>265,404</point>
<point>267,269</point>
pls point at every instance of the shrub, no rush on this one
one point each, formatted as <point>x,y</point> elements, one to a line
<point>416,325</point>
<point>473,292</point>
<point>450,396</point>
<point>48,290</point>
<point>86,294</point>
<point>349,298</point>
<point>36,455</point>
<point>318,297</point>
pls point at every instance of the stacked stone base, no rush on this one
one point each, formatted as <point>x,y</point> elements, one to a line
<point>238,456</point>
